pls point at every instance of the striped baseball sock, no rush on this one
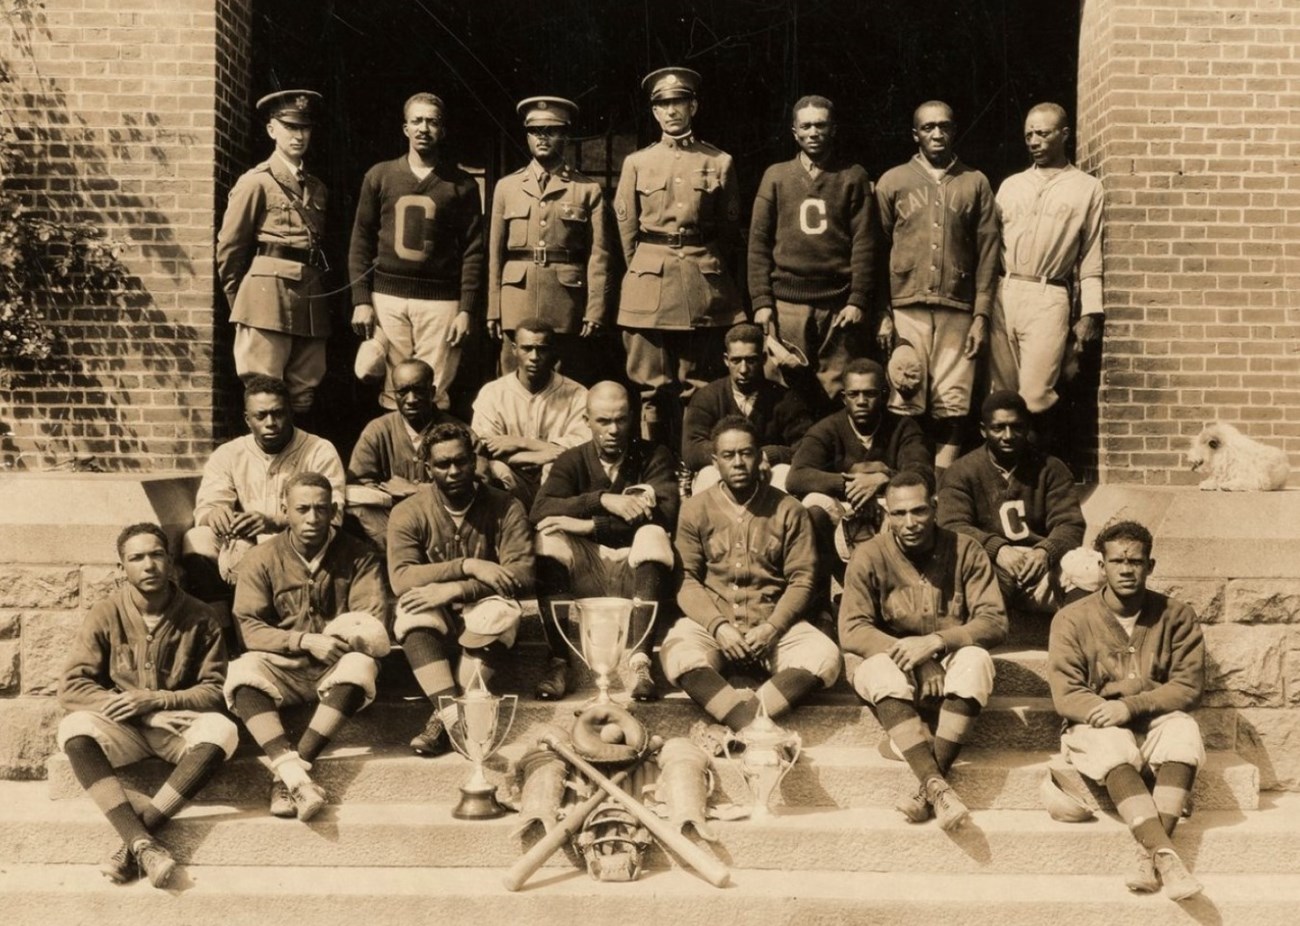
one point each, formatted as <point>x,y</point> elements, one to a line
<point>720,700</point>
<point>1173,782</point>
<point>948,434</point>
<point>906,729</point>
<point>785,689</point>
<point>336,705</point>
<point>256,709</point>
<point>192,772</point>
<point>95,773</point>
<point>426,651</point>
<point>1136,808</point>
<point>956,721</point>
<point>650,578</point>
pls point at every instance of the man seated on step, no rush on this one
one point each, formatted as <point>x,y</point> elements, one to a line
<point>922,608</point>
<point>603,517</point>
<point>460,554</point>
<point>1126,665</point>
<point>238,501</point>
<point>386,465</point>
<point>749,562</point>
<point>844,461</point>
<point>144,679</point>
<point>778,414</point>
<point>1019,503</point>
<point>525,419</point>
<point>289,589</point>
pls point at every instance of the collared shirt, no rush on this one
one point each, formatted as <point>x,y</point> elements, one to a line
<point>556,414</point>
<point>744,402</point>
<point>241,475</point>
<point>313,564</point>
<point>808,165</point>
<point>295,170</point>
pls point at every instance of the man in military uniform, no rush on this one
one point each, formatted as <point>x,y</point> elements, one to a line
<point>269,258</point>
<point>549,253</point>
<point>678,211</point>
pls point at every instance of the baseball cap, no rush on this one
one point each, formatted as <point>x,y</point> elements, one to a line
<point>491,620</point>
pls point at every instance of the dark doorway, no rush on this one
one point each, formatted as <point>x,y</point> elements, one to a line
<point>878,59</point>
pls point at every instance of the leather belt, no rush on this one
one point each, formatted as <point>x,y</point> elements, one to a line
<point>544,254</point>
<point>677,239</point>
<point>1042,281</point>
<point>312,257</point>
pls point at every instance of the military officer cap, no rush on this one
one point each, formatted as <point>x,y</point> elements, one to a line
<point>292,107</point>
<point>547,110</point>
<point>671,84</point>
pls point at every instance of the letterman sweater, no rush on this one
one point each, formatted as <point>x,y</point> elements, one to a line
<point>432,248</point>
<point>811,237</point>
<point>832,447</point>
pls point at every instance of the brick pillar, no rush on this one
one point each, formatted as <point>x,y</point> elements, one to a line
<point>133,115</point>
<point>1186,112</point>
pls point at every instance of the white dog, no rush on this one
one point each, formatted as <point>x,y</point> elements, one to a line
<point>1235,462</point>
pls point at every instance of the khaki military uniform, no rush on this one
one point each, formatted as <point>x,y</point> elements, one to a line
<point>271,267</point>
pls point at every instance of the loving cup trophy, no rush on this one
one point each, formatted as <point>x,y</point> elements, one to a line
<point>770,753</point>
<point>477,733</point>
<point>602,632</point>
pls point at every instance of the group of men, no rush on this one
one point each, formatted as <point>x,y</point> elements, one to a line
<point>807,531</point>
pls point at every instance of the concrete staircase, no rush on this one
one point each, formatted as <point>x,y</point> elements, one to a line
<point>836,852</point>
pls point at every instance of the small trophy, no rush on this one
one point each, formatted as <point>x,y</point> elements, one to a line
<point>477,734</point>
<point>770,753</point>
<point>602,631</point>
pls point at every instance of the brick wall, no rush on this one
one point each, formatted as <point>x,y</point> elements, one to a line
<point>1187,111</point>
<point>126,110</point>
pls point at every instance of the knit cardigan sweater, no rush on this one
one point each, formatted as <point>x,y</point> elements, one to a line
<point>1090,659</point>
<point>812,238</point>
<point>831,447</point>
<point>1036,507</point>
<point>384,450</point>
<point>779,415</point>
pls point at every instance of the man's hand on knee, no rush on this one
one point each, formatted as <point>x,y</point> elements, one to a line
<point>429,597</point>
<point>760,638</point>
<point>493,575</point>
<point>174,722</point>
<point>127,704</point>
<point>929,679</point>
<point>323,647</point>
<point>731,641</point>
<point>909,652</point>
<point>1113,713</point>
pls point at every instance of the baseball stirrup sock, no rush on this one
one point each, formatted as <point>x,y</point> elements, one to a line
<point>785,689</point>
<point>194,770</point>
<point>96,775</point>
<point>256,709</point>
<point>1173,781</point>
<point>907,730</point>
<point>956,721</point>
<point>1136,808</point>
<point>720,700</point>
<point>427,653</point>
<point>336,705</point>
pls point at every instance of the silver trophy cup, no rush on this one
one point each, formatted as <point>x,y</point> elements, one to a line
<point>602,634</point>
<point>477,734</point>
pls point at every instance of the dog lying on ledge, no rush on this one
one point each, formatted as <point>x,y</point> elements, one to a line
<point>1235,462</point>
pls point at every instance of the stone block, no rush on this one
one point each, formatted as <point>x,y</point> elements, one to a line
<point>9,624</point>
<point>27,728</point>
<point>8,665</point>
<point>1271,740</point>
<point>1291,677</point>
<point>46,640</point>
<point>1263,601</point>
<point>1244,665</point>
<point>1204,595</point>
<point>97,582</point>
<point>39,586</point>
<point>1218,727</point>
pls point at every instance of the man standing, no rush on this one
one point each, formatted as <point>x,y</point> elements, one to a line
<point>416,258</point>
<point>386,464</point>
<point>549,252</point>
<point>527,418</point>
<point>144,679</point>
<point>459,555</point>
<point>289,589</point>
<point>921,607</point>
<point>269,257</point>
<point>1018,503</point>
<point>1126,664</point>
<point>811,251</point>
<point>749,563</point>
<point>939,218</point>
<point>603,517</point>
<point>778,414</point>
<point>1051,234</point>
<point>678,211</point>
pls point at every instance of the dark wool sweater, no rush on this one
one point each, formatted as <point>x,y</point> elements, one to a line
<point>779,415</point>
<point>1036,507</point>
<point>577,481</point>
<point>440,251</point>
<point>384,450</point>
<point>831,447</point>
<point>812,238</point>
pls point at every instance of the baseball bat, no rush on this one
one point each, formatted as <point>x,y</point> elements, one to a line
<point>549,844</point>
<point>706,864</point>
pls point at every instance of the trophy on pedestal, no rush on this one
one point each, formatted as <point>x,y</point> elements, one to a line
<point>477,733</point>
<point>770,752</point>
<point>602,631</point>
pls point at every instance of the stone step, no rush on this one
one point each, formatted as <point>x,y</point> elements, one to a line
<point>826,776</point>
<point>37,895</point>
<point>37,831</point>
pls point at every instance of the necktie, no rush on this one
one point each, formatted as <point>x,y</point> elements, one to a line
<point>542,180</point>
